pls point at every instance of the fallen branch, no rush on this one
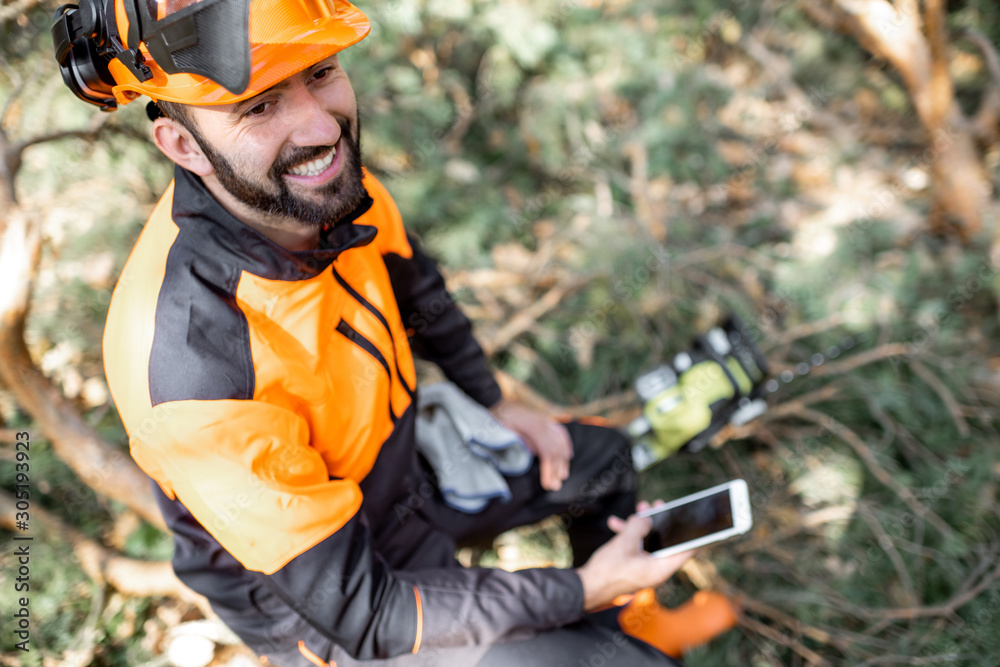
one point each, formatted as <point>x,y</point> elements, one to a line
<point>753,429</point>
<point>524,319</point>
<point>963,597</point>
<point>811,656</point>
<point>880,473</point>
<point>102,466</point>
<point>944,393</point>
<point>986,122</point>
<point>517,390</point>
<point>806,329</point>
<point>706,254</point>
<point>856,361</point>
<point>887,544</point>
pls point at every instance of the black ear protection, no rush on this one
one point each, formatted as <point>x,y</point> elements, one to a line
<point>210,38</point>
<point>86,40</point>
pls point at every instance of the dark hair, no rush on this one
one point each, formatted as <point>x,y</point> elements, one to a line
<point>176,111</point>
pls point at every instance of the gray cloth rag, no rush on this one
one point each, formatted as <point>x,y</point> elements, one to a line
<point>469,450</point>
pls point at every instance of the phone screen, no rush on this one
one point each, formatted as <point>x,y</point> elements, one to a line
<point>690,521</point>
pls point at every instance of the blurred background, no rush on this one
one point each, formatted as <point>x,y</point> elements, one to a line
<point>602,180</point>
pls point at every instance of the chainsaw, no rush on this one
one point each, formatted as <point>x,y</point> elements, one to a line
<point>722,379</point>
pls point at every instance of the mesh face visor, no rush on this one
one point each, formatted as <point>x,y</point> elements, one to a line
<point>206,37</point>
<point>223,51</point>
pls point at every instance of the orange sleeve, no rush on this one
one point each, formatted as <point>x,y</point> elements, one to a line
<point>246,472</point>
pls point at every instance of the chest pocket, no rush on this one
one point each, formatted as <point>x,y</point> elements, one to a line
<point>352,335</point>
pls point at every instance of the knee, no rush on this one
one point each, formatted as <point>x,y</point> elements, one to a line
<point>602,461</point>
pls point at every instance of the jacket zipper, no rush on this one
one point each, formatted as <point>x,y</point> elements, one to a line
<point>367,305</point>
<point>352,335</point>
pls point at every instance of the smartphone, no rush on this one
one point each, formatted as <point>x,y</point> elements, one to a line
<point>708,516</point>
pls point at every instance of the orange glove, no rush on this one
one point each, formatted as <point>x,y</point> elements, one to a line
<point>675,631</point>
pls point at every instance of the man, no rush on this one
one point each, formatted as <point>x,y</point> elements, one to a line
<point>258,347</point>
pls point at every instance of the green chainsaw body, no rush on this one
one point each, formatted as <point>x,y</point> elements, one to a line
<point>718,381</point>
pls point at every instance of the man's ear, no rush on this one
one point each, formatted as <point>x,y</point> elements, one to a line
<point>177,143</point>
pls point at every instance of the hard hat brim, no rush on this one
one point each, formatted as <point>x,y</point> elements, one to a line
<point>281,56</point>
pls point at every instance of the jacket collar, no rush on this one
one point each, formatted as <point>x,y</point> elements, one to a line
<point>216,232</point>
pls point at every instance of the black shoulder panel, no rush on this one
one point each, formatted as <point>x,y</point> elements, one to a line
<point>201,344</point>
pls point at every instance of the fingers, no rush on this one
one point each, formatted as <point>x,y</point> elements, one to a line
<point>636,527</point>
<point>560,436</point>
<point>666,567</point>
<point>561,450</point>
<point>644,505</point>
<point>554,449</point>
<point>551,478</point>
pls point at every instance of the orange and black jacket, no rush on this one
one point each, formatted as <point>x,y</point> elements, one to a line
<point>270,394</point>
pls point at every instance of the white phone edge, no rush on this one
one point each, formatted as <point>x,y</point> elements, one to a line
<point>739,499</point>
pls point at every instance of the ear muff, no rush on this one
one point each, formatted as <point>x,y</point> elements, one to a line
<point>82,49</point>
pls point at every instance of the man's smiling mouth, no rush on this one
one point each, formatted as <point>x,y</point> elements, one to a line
<point>314,167</point>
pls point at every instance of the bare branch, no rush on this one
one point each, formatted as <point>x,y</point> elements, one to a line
<point>811,656</point>
<point>965,595</point>
<point>86,135</point>
<point>868,457</point>
<point>854,362</point>
<point>98,463</point>
<point>945,394</point>
<point>523,320</point>
<point>887,544</point>
<point>11,154</point>
<point>806,329</point>
<point>986,122</point>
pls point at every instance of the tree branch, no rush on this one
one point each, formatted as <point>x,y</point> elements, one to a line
<point>964,596</point>
<point>986,122</point>
<point>99,464</point>
<point>880,473</point>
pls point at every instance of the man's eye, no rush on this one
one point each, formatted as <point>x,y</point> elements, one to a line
<point>257,109</point>
<point>322,73</point>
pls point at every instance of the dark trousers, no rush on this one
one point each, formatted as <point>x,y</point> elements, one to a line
<point>423,533</point>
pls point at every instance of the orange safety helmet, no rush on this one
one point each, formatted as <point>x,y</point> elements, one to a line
<point>196,51</point>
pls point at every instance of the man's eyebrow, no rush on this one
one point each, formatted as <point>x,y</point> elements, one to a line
<point>251,102</point>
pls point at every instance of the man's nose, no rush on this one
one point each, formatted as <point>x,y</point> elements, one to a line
<point>310,120</point>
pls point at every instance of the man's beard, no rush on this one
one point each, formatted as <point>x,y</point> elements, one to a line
<point>335,199</point>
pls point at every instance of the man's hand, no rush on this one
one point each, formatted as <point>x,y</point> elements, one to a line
<point>622,566</point>
<point>544,436</point>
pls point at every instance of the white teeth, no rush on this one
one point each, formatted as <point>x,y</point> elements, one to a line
<point>314,167</point>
